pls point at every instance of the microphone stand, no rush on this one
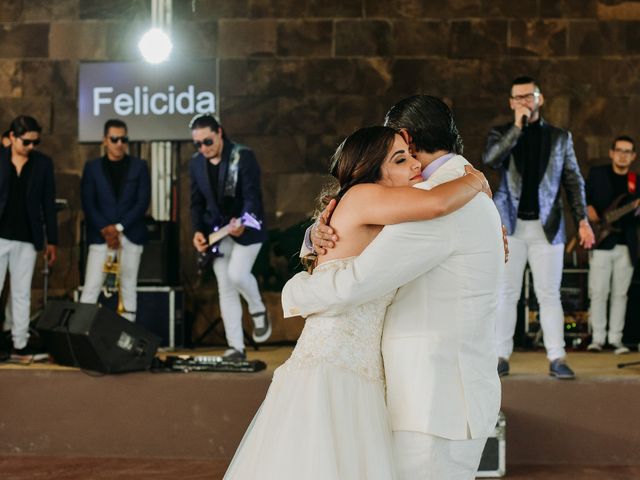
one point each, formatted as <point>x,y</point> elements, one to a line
<point>628,364</point>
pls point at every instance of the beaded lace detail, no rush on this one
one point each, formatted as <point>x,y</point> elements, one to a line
<point>349,340</point>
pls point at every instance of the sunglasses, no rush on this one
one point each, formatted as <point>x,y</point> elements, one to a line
<point>26,142</point>
<point>207,142</point>
<point>123,139</point>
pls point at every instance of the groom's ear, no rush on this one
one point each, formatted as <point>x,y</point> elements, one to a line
<point>405,134</point>
<point>407,138</point>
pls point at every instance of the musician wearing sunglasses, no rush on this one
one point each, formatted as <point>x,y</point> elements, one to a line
<point>612,193</point>
<point>6,140</point>
<point>115,191</point>
<point>536,160</point>
<point>225,185</point>
<point>27,220</point>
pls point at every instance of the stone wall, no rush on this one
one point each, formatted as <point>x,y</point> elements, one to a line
<point>296,76</point>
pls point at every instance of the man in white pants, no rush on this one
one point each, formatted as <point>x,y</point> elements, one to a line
<point>438,344</point>
<point>536,159</point>
<point>225,185</point>
<point>115,190</point>
<point>27,222</point>
<point>613,258</point>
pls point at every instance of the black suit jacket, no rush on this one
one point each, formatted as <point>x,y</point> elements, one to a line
<point>102,207</point>
<point>41,196</point>
<point>600,195</point>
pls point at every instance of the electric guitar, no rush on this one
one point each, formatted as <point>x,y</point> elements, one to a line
<point>604,226</point>
<point>614,212</point>
<point>207,257</point>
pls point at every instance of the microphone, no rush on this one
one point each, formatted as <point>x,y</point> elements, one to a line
<point>524,120</point>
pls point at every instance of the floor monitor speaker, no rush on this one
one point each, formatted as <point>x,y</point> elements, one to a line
<point>95,338</point>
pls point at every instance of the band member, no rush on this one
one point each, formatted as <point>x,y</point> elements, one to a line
<point>115,190</point>
<point>536,159</point>
<point>225,185</point>
<point>611,265</point>
<point>27,221</point>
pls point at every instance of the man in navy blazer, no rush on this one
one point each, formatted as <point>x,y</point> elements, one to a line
<point>27,221</point>
<point>225,184</point>
<point>115,190</point>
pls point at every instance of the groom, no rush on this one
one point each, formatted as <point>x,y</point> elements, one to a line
<point>443,391</point>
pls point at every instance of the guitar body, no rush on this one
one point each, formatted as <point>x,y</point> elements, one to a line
<point>207,257</point>
<point>603,228</point>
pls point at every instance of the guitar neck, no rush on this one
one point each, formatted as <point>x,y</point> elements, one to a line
<point>618,213</point>
<point>218,235</point>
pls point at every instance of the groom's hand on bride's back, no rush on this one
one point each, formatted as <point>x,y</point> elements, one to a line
<point>322,235</point>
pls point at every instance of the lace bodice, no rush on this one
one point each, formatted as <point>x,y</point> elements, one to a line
<point>349,340</point>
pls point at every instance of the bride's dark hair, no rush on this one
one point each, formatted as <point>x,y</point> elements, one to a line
<point>358,159</point>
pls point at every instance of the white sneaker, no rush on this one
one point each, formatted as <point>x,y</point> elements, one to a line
<point>594,347</point>
<point>261,327</point>
<point>234,355</point>
<point>620,349</point>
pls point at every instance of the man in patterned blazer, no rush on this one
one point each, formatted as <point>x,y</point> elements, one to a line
<point>535,159</point>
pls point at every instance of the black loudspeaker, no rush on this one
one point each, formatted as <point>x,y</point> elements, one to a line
<point>95,338</point>
<point>159,262</point>
<point>161,311</point>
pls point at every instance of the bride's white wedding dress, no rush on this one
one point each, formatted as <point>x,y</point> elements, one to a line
<point>324,416</point>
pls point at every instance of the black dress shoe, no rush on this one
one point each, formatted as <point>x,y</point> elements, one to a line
<point>558,368</point>
<point>503,367</point>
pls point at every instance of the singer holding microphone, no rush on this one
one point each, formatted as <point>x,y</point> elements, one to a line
<point>535,159</point>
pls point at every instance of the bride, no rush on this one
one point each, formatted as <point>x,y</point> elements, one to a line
<point>324,416</point>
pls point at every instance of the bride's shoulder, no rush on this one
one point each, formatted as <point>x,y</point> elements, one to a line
<point>362,191</point>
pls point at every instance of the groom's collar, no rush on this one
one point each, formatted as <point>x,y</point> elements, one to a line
<point>437,163</point>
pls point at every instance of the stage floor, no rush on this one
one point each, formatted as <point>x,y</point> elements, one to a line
<point>34,468</point>
<point>523,364</point>
<point>57,422</point>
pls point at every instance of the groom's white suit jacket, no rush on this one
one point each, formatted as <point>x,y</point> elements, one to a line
<point>438,343</point>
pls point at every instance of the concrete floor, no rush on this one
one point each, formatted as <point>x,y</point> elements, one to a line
<point>65,468</point>
<point>524,365</point>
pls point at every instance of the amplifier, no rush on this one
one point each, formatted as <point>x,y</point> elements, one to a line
<point>493,462</point>
<point>159,264</point>
<point>574,295</point>
<point>160,257</point>
<point>631,334</point>
<point>160,310</point>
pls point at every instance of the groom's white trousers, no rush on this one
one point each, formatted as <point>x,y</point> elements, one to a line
<point>422,456</point>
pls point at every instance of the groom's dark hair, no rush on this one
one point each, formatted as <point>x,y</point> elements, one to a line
<point>429,121</point>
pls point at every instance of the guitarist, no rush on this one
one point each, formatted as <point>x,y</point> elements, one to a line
<point>225,184</point>
<point>612,260</point>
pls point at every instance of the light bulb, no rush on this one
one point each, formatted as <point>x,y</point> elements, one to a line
<point>155,46</point>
